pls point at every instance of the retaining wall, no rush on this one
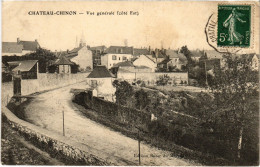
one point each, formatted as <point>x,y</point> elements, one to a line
<point>61,147</point>
<point>50,81</point>
<point>150,78</point>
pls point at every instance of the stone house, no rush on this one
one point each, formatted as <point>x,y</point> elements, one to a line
<point>116,54</point>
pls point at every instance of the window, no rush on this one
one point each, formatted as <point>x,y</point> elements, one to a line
<point>114,57</point>
<point>118,58</point>
<point>93,83</point>
<point>121,50</point>
<point>124,58</point>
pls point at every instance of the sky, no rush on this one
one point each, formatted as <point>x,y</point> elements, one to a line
<point>162,23</point>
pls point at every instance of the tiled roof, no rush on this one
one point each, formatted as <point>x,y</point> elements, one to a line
<point>26,65</point>
<point>29,45</point>
<point>100,72</point>
<point>212,54</point>
<point>11,47</point>
<point>138,52</point>
<point>124,64</point>
<point>63,61</point>
<point>119,50</point>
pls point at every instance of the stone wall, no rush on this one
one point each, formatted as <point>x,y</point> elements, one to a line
<point>6,92</point>
<point>60,147</point>
<point>50,81</point>
<point>150,78</point>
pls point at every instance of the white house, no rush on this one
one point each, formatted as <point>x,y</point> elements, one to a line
<point>101,80</point>
<point>81,56</point>
<point>144,60</point>
<point>19,48</point>
<point>116,54</point>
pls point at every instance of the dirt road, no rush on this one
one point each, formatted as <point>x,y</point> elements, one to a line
<point>46,111</point>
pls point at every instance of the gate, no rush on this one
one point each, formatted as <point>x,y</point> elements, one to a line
<point>17,86</point>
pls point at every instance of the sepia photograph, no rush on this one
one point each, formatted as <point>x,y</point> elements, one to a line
<point>130,83</point>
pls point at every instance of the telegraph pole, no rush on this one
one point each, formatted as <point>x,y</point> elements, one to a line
<point>63,122</point>
<point>206,73</point>
<point>139,149</point>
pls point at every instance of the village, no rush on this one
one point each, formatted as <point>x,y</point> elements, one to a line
<point>152,92</point>
<point>138,66</point>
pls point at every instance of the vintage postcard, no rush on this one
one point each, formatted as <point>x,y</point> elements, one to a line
<point>130,83</point>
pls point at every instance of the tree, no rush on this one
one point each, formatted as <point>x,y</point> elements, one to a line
<point>124,91</point>
<point>233,89</point>
<point>163,80</point>
<point>142,99</point>
<point>187,54</point>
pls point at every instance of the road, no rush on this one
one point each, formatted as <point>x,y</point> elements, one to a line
<point>45,111</point>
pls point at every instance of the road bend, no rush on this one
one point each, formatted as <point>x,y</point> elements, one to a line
<point>45,110</point>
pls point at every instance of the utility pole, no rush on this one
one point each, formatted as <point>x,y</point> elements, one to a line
<point>206,73</point>
<point>63,122</point>
<point>139,149</point>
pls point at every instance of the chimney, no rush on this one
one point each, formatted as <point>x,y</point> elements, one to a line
<point>149,49</point>
<point>36,40</point>
<point>18,40</point>
<point>178,51</point>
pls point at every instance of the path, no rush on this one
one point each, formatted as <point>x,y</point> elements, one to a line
<point>46,111</point>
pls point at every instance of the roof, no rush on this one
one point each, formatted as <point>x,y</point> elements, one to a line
<point>100,72</point>
<point>102,48</point>
<point>29,45</point>
<point>71,55</point>
<point>11,47</point>
<point>124,64</point>
<point>26,65</point>
<point>63,61</point>
<point>138,52</point>
<point>174,53</point>
<point>119,50</point>
<point>158,54</point>
<point>76,49</point>
<point>212,54</point>
<point>13,63</point>
<point>165,61</point>
<point>196,53</point>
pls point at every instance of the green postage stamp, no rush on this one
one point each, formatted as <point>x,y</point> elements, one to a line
<point>234,25</point>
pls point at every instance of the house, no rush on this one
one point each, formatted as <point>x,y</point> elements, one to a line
<point>147,61</point>
<point>157,56</point>
<point>12,48</point>
<point>176,59</point>
<point>63,65</point>
<point>116,54</point>
<point>81,56</point>
<point>97,51</point>
<point>253,59</point>
<point>137,52</point>
<point>196,54</point>
<point>19,47</point>
<point>128,65</point>
<point>101,79</point>
<point>27,69</point>
<point>214,56</point>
